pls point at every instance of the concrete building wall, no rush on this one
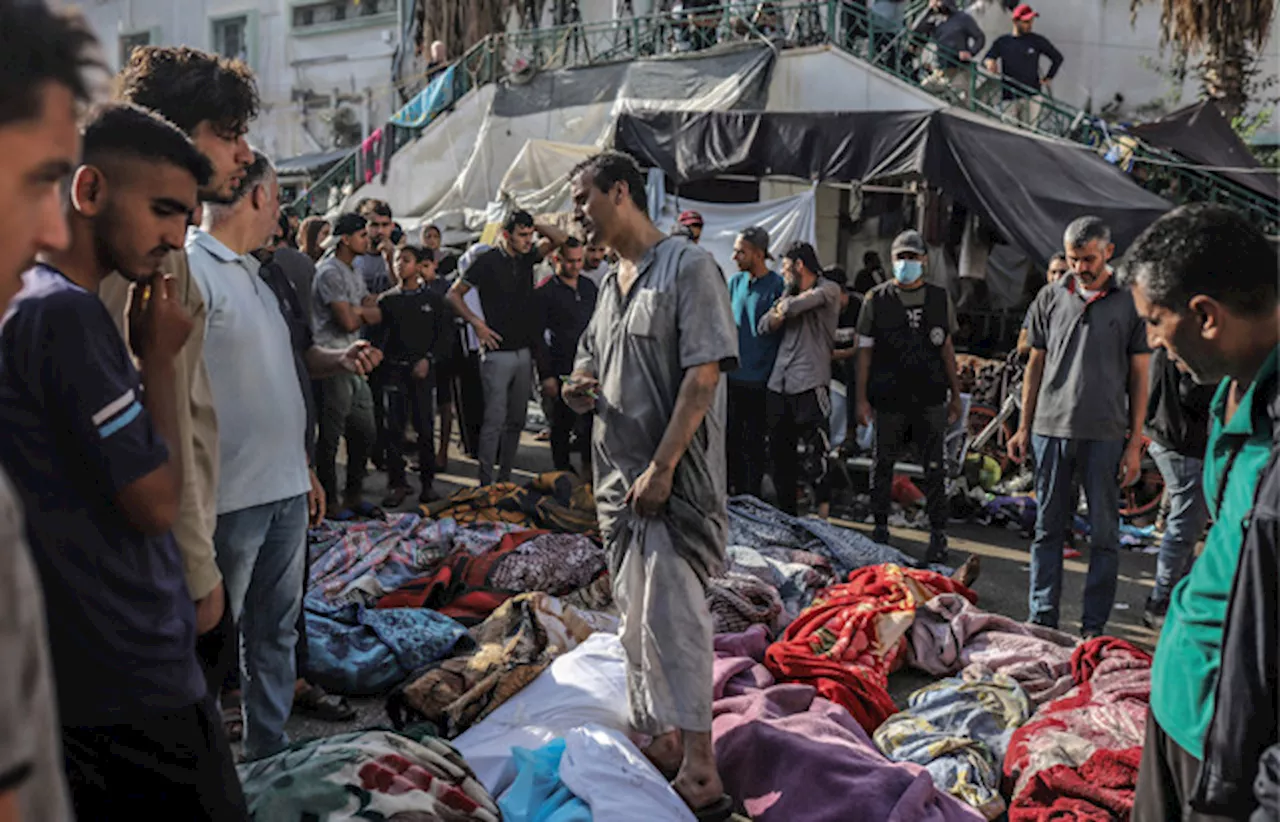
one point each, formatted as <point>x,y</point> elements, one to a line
<point>348,61</point>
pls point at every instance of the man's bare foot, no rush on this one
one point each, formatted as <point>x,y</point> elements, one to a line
<point>666,752</point>
<point>699,785</point>
<point>967,574</point>
<point>698,782</point>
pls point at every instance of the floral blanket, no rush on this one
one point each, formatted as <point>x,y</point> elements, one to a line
<point>366,775</point>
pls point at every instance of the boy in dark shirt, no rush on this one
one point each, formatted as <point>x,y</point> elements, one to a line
<point>89,443</point>
<point>417,329</point>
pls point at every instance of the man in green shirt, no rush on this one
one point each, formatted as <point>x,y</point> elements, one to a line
<point>1204,281</point>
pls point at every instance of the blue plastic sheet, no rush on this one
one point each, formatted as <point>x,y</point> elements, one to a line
<point>428,103</point>
<point>538,794</point>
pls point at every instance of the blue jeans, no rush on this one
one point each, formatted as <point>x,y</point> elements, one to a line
<point>1187,516</point>
<point>1097,462</point>
<point>261,553</point>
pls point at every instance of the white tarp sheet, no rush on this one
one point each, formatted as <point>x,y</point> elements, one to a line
<point>787,220</point>
<point>538,180</point>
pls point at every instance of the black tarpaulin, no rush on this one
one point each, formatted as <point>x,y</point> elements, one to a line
<point>1202,134</point>
<point>1029,187</point>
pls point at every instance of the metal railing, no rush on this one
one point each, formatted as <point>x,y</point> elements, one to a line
<point>853,28</point>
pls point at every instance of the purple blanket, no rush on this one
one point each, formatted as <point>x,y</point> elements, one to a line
<point>790,756</point>
<point>950,633</point>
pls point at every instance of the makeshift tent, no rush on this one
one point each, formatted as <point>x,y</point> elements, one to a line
<point>787,220</point>
<point>538,179</point>
<point>1203,135</point>
<point>1028,187</point>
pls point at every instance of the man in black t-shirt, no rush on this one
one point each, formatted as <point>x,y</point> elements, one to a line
<point>566,302</point>
<point>510,329</point>
<point>906,368</point>
<point>1017,57</point>
<point>417,328</point>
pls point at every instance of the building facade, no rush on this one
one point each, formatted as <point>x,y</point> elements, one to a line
<point>324,67</point>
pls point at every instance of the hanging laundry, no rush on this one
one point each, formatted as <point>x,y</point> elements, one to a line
<point>366,775</point>
<point>848,641</point>
<point>959,729</point>
<point>950,633</point>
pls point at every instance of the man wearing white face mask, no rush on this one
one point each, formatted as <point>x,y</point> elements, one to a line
<point>906,367</point>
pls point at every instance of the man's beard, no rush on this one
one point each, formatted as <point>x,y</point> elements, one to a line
<point>1205,366</point>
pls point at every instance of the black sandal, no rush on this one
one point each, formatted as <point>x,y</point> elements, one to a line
<point>315,702</point>
<point>719,811</point>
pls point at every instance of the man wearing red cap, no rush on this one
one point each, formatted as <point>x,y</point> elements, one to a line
<point>690,225</point>
<point>1017,57</point>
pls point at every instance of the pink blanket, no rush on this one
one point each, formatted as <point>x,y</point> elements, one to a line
<point>1090,737</point>
<point>790,756</point>
<point>950,633</point>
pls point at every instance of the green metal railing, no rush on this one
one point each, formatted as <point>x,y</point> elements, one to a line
<point>853,28</point>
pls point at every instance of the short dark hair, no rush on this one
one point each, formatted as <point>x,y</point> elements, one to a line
<point>870,258</point>
<point>836,274</point>
<point>124,130</point>
<point>38,46</point>
<point>1203,249</point>
<point>517,219</point>
<point>609,167</point>
<point>570,242</point>
<point>419,253</point>
<point>190,86</point>
<point>369,206</point>
<point>1084,230</point>
<point>1057,257</point>
<point>803,252</point>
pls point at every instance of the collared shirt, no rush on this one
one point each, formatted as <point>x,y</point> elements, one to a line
<point>675,317</point>
<point>249,353</point>
<point>1189,654</point>
<point>566,312</point>
<point>122,627</point>
<point>197,425</point>
<point>336,282</point>
<point>808,336</point>
<point>751,298</point>
<point>1088,345</point>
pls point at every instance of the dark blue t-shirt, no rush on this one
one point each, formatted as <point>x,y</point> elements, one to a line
<point>1020,60</point>
<point>75,434</point>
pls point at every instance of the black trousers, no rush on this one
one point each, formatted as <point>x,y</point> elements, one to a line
<point>219,652</point>
<point>793,417</point>
<point>747,437</point>
<point>570,432</point>
<point>895,430</point>
<point>468,400</point>
<point>405,397</point>
<point>1166,780</point>
<point>172,766</point>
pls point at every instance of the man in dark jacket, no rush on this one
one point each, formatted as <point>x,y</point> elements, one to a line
<point>959,38</point>
<point>1178,425</point>
<point>1244,721</point>
<point>1220,329</point>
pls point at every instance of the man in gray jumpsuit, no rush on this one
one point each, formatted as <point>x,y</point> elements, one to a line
<point>651,364</point>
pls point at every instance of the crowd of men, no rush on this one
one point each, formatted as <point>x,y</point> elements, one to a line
<point>176,379</point>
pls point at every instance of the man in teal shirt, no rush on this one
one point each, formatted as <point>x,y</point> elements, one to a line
<point>1204,280</point>
<point>752,292</point>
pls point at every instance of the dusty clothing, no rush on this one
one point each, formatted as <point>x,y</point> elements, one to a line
<point>675,317</point>
<point>197,425</point>
<point>666,631</point>
<point>808,335</point>
<point>30,762</point>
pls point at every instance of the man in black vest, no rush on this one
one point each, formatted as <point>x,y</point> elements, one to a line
<point>906,366</point>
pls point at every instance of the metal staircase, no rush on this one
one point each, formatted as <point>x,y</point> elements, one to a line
<point>844,24</point>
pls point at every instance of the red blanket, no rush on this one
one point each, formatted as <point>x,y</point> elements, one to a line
<point>1078,756</point>
<point>848,641</point>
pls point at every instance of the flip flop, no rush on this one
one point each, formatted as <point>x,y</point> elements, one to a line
<point>719,811</point>
<point>316,702</point>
